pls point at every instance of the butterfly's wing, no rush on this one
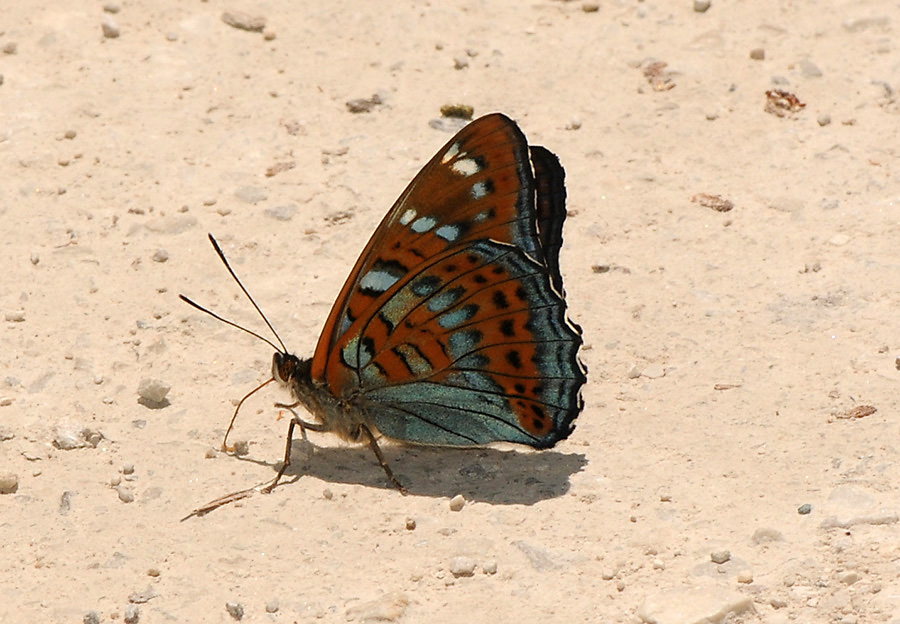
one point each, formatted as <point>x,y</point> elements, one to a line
<point>452,328</point>
<point>475,187</point>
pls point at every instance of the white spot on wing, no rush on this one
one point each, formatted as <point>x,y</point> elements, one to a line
<point>378,280</point>
<point>407,216</point>
<point>423,224</point>
<point>450,154</point>
<point>448,232</point>
<point>479,190</point>
<point>465,167</point>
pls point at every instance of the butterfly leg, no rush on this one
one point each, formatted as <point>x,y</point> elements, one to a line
<point>295,421</point>
<point>373,444</point>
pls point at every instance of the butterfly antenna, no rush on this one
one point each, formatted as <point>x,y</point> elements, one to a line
<point>219,251</point>
<point>227,322</point>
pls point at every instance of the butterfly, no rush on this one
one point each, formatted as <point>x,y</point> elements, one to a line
<point>451,329</point>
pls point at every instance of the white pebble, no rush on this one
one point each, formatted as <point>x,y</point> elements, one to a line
<point>15,317</point>
<point>132,614</point>
<point>720,556</point>
<point>125,494</point>
<point>235,610</point>
<point>462,566</point>
<point>839,240</point>
<point>654,371</point>
<point>160,255</point>
<point>745,576</point>
<point>489,566</point>
<point>9,483</point>
<point>272,606</point>
<point>153,390</point>
<point>457,503</point>
<point>701,6</point>
<point>849,578</point>
<point>69,435</point>
<point>127,468</point>
<point>110,27</point>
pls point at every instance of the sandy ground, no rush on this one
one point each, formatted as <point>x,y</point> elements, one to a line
<point>727,350</point>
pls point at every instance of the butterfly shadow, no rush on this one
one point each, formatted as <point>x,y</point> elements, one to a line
<point>490,475</point>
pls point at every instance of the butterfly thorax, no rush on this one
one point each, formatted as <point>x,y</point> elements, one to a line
<point>338,416</point>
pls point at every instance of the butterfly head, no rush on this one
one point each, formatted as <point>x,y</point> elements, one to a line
<point>287,368</point>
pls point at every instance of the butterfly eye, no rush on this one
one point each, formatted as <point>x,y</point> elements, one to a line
<point>284,367</point>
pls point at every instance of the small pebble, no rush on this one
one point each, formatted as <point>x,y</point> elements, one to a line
<point>810,69</point>
<point>457,503</point>
<point>658,564</point>
<point>804,509</point>
<point>745,576</point>
<point>457,111</point>
<point>235,610</point>
<point>823,120</point>
<point>462,566</point>
<point>132,614</point>
<point>489,566</point>
<point>171,36</point>
<point>653,371</point>
<point>241,448</point>
<point>839,240</point>
<point>410,524</point>
<point>607,574</point>
<point>9,483</point>
<point>590,7</point>
<point>10,48</point>
<point>160,255</point>
<point>15,317</point>
<point>91,617</point>
<point>65,502</point>
<point>720,556</point>
<point>211,453</point>
<point>244,21</point>
<point>110,27</point>
<point>269,35</point>
<point>111,7</point>
<point>766,534</point>
<point>634,371</point>
<point>758,54</point>
<point>460,62</point>
<point>35,258</point>
<point>327,494</point>
<point>849,578</point>
<point>69,435</point>
<point>70,134</point>
<point>128,469</point>
<point>272,606</point>
<point>154,572</point>
<point>701,6</point>
<point>125,494</point>
<point>153,391</point>
<point>116,480</point>
<point>142,597</point>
